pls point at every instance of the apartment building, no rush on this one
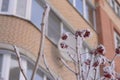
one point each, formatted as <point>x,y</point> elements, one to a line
<point>20,25</point>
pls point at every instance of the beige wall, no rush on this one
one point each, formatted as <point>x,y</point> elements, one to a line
<point>22,33</point>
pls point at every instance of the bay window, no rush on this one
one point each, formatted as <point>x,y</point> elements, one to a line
<point>30,10</point>
<point>9,69</point>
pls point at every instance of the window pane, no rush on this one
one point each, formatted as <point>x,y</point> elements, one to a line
<point>14,70</point>
<point>71,1</point>
<point>29,70</point>
<point>21,7</point>
<point>66,29</point>
<point>5,4</point>
<point>89,14</point>
<point>1,57</point>
<point>39,75</point>
<point>79,6</point>
<point>36,14</point>
<point>54,28</point>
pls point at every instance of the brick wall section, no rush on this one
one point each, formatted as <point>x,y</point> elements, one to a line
<point>108,22</point>
<point>22,33</point>
<point>74,18</point>
<point>16,31</point>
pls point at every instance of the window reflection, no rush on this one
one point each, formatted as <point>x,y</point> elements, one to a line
<point>14,70</point>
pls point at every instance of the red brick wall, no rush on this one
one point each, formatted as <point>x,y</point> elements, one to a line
<point>105,29</point>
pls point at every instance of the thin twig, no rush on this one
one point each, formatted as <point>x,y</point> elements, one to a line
<point>19,62</point>
<point>44,20</point>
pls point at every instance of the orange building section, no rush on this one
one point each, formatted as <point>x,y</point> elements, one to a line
<point>107,24</point>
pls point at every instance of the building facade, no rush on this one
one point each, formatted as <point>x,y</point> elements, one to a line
<point>20,25</point>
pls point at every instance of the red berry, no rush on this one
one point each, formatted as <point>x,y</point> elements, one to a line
<point>63,45</point>
<point>87,33</point>
<point>107,75</point>
<point>117,50</point>
<point>64,36</point>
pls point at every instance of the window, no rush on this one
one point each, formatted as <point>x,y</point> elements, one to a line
<point>79,6</point>
<point>89,14</point>
<point>5,4</point>
<point>115,6</point>
<point>86,9</point>
<point>36,13</point>
<point>11,70</point>
<point>53,30</point>
<point>39,75</point>
<point>14,69</point>
<point>21,7</point>
<point>116,39</point>
<point>31,10</point>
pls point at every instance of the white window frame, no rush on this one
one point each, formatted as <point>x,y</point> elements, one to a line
<point>116,35</point>
<point>6,54</point>
<point>12,9</point>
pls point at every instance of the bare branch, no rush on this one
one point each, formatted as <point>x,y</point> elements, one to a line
<point>19,62</point>
<point>44,20</point>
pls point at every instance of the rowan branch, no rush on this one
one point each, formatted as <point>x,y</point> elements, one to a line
<point>19,61</point>
<point>41,49</point>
